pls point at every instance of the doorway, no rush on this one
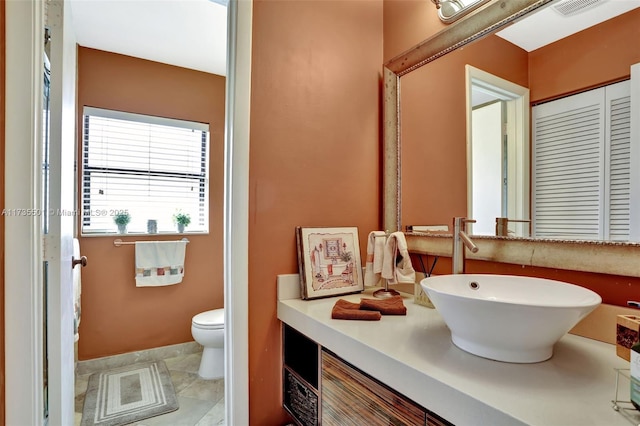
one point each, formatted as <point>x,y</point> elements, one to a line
<point>501,154</point>
<point>23,275</point>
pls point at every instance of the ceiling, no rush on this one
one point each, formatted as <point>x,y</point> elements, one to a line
<point>549,24</point>
<point>186,33</point>
<point>193,33</point>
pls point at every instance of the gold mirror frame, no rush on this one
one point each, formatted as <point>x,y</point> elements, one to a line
<point>588,256</point>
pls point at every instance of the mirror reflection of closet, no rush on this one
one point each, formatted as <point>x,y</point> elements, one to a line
<point>582,162</point>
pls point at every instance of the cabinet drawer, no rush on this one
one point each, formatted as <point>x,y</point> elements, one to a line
<point>350,397</point>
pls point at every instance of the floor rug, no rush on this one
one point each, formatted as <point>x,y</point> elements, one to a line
<point>128,394</point>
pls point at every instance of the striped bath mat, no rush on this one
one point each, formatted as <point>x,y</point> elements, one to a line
<point>128,394</point>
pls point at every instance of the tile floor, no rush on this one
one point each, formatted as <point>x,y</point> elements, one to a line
<point>201,401</point>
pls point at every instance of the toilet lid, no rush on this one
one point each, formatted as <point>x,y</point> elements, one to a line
<point>210,319</point>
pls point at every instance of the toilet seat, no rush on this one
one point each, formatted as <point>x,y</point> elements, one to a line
<point>209,320</point>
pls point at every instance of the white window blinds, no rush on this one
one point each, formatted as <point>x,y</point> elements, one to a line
<point>150,167</point>
<point>581,165</point>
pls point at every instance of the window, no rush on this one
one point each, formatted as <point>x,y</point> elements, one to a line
<point>150,167</point>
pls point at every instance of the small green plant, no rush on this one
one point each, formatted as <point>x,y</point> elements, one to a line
<point>122,218</point>
<point>182,218</point>
<point>345,256</point>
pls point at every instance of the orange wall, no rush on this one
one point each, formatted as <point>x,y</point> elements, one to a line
<point>315,153</point>
<point>432,117</point>
<point>407,23</point>
<point>586,59</point>
<point>117,316</point>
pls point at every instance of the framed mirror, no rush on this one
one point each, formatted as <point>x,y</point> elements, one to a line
<point>507,75</point>
<point>428,171</point>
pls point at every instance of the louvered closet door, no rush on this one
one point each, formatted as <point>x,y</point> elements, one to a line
<point>568,167</point>
<point>618,146</point>
<point>581,148</point>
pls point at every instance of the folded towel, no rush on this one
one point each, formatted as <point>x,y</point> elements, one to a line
<point>391,306</point>
<point>397,262</point>
<point>346,304</point>
<point>159,263</point>
<point>375,256</point>
<point>344,309</point>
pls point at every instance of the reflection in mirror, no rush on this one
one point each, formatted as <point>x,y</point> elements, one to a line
<point>433,131</point>
<point>434,171</point>
<point>451,10</point>
<point>497,153</point>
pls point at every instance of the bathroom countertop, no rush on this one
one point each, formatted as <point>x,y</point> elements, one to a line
<point>414,355</point>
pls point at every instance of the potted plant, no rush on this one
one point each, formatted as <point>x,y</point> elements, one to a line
<point>122,220</point>
<point>181,219</point>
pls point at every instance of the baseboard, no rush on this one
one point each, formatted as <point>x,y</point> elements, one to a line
<point>153,354</point>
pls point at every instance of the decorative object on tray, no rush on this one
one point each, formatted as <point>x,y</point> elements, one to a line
<point>329,261</point>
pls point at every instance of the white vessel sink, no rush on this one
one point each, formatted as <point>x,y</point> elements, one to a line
<point>508,318</point>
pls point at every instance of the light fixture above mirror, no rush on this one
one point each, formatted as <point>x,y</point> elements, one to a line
<point>452,10</point>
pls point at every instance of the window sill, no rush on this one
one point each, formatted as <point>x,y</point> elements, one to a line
<point>140,234</point>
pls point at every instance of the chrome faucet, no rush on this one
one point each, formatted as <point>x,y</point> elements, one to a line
<point>502,223</point>
<point>460,241</point>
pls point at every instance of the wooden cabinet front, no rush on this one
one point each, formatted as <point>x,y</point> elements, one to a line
<point>319,388</point>
<point>349,397</point>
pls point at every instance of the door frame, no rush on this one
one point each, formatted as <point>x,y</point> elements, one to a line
<point>236,212</point>
<point>23,245</point>
<point>517,130</point>
<point>58,243</point>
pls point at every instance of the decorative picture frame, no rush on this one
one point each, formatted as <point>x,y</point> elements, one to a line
<point>329,261</point>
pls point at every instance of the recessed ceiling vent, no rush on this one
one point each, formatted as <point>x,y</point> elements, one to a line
<point>573,7</point>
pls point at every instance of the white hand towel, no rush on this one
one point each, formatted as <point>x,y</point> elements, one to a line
<point>375,257</point>
<point>397,266</point>
<point>159,263</point>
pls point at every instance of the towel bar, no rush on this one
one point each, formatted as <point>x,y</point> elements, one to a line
<point>118,242</point>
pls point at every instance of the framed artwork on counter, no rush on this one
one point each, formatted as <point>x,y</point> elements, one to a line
<point>329,261</point>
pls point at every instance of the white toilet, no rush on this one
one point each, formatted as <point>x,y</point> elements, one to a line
<point>207,328</point>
